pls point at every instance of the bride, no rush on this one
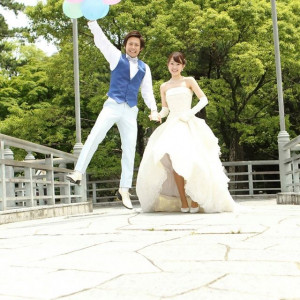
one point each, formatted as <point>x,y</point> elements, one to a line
<point>181,169</point>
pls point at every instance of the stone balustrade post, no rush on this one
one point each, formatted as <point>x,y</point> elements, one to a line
<point>285,179</point>
<point>9,175</point>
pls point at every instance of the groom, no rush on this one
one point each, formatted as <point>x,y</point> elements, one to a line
<point>128,74</point>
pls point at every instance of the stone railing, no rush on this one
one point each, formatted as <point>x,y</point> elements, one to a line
<point>291,192</point>
<point>39,179</point>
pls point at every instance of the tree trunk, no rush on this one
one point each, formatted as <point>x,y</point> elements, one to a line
<point>236,153</point>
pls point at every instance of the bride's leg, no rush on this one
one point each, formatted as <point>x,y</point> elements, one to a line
<point>180,186</point>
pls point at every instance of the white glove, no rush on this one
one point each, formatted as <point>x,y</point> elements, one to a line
<point>164,112</point>
<point>187,115</point>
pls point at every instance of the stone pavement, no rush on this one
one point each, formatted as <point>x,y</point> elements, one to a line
<point>114,253</point>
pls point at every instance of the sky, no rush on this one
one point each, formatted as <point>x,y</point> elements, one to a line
<point>21,19</point>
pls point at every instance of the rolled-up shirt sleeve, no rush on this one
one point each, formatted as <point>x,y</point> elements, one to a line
<point>147,90</point>
<point>110,52</point>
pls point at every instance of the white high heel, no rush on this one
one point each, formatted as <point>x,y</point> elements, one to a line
<point>194,210</point>
<point>185,209</point>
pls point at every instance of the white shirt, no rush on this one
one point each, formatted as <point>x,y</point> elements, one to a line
<point>113,55</point>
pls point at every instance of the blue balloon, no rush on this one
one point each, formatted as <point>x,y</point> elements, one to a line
<point>94,9</point>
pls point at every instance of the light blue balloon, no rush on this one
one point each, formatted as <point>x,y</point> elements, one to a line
<point>94,9</point>
<point>72,10</point>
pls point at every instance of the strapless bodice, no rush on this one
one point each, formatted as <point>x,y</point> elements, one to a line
<point>179,99</point>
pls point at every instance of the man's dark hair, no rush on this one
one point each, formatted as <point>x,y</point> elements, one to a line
<point>136,34</point>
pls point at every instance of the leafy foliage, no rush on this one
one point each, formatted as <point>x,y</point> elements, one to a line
<point>229,50</point>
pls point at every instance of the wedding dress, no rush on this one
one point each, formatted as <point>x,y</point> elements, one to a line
<point>191,149</point>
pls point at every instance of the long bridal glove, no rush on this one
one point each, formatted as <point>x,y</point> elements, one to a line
<point>164,112</point>
<point>158,116</point>
<point>187,115</point>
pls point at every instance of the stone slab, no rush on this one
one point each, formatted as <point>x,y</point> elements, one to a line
<point>33,213</point>
<point>115,253</point>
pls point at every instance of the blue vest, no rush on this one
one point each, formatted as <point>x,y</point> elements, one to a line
<point>122,88</point>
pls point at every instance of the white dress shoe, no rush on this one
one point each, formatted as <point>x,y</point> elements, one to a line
<point>75,177</point>
<point>125,197</point>
<point>185,209</point>
<point>194,210</point>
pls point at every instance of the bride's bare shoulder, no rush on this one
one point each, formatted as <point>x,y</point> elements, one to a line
<point>190,82</point>
<point>189,79</point>
<point>164,87</point>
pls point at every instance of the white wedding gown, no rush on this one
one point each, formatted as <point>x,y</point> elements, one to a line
<point>191,149</point>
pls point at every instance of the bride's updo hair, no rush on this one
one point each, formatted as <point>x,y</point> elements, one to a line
<point>177,57</point>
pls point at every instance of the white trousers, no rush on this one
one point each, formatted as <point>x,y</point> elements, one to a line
<point>125,117</point>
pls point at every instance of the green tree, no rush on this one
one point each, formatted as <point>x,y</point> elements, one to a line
<point>230,52</point>
<point>27,98</point>
<point>8,5</point>
<point>6,60</point>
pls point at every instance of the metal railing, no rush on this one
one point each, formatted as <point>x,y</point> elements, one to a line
<point>253,177</point>
<point>36,182</point>
<point>246,178</point>
<point>103,190</point>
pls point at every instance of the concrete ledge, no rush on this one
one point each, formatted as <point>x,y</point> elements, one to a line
<point>288,198</point>
<point>114,203</point>
<point>41,212</point>
<point>254,197</point>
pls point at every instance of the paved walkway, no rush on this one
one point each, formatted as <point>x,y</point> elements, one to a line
<point>115,253</point>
